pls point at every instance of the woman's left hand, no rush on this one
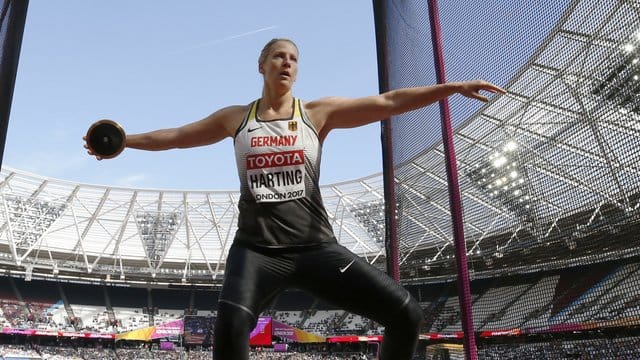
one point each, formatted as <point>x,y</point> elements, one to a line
<point>471,89</point>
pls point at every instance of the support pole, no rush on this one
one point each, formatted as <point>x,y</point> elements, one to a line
<point>455,203</point>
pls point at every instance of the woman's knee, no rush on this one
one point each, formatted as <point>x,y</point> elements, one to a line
<point>233,322</point>
<point>411,315</point>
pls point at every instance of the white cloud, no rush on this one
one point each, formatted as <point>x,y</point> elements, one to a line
<point>231,37</point>
<point>132,180</point>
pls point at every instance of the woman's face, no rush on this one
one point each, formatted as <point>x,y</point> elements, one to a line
<point>280,67</point>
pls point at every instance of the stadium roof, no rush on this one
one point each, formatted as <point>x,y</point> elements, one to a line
<point>55,224</point>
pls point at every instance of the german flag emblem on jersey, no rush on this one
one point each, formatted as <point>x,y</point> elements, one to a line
<point>293,126</point>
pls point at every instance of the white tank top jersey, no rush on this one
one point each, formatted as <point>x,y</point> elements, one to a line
<point>279,167</point>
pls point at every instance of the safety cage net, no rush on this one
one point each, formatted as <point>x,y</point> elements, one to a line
<point>548,174</point>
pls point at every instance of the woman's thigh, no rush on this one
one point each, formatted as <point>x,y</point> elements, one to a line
<point>252,279</point>
<point>344,279</point>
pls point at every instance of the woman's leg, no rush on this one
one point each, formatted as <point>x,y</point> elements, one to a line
<point>342,278</point>
<point>252,280</point>
<point>231,338</point>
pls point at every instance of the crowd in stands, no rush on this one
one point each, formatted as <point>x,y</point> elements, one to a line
<point>143,353</point>
<point>18,351</point>
<point>14,314</point>
<point>601,349</point>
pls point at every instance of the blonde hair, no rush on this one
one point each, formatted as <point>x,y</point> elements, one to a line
<point>265,50</point>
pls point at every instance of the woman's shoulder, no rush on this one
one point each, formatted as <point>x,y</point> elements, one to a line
<point>234,113</point>
<point>321,101</point>
<point>236,109</point>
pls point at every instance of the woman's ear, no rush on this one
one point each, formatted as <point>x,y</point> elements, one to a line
<point>260,69</point>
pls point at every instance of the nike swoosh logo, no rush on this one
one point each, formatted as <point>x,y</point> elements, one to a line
<point>343,269</point>
<point>254,129</point>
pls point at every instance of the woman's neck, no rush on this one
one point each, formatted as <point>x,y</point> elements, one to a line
<point>272,103</point>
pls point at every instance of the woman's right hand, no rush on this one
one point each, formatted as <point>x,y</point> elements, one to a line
<point>89,151</point>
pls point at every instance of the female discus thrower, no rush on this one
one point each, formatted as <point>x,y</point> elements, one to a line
<point>284,238</point>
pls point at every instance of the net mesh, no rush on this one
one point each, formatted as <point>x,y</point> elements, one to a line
<point>548,172</point>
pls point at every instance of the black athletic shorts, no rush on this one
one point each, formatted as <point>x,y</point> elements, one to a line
<point>330,272</point>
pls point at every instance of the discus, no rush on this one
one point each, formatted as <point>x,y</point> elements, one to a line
<point>106,138</point>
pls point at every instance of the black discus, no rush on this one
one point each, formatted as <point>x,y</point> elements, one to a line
<point>106,138</point>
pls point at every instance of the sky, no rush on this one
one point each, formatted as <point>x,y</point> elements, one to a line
<point>151,64</point>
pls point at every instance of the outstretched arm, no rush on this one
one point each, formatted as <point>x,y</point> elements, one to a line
<point>213,128</point>
<point>334,113</point>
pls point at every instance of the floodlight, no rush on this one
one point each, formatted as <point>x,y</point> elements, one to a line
<point>628,47</point>
<point>510,146</point>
